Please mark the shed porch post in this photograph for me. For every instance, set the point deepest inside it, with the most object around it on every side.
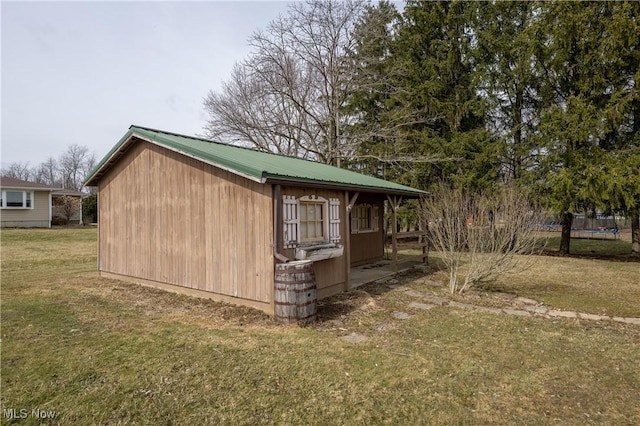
(347, 240)
(394, 202)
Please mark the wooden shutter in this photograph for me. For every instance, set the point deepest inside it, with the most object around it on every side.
(334, 220)
(291, 221)
(375, 218)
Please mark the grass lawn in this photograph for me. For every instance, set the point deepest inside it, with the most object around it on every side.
(99, 351)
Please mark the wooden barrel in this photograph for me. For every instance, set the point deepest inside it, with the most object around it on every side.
(295, 293)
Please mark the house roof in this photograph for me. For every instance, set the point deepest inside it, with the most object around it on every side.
(9, 182)
(255, 165)
(69, 192)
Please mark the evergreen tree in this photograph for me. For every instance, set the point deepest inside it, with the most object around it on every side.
(434, 81)
(585, 104)
(507, 76)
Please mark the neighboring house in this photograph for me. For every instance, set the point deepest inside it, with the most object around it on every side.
(211, 220)
(25, 204)
(67, 207)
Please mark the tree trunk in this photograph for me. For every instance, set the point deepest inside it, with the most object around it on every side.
(565, 238)
(635, 233)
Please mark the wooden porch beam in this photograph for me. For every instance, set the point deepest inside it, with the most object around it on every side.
(347, 239)
(394, 202)
(352, 202)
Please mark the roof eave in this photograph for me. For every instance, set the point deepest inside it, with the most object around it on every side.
(116, 152)
(273, 179)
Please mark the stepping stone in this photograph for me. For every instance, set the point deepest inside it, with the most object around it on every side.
(516, 312)
(355, 338)
(400, 315)
(635, 321)
(526, 301)
(591, 317)
(536, 309)
(563, 314)
(422, 306)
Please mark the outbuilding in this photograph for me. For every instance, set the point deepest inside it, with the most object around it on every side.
(212, 220)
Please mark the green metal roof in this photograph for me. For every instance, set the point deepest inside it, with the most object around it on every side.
(255, 165)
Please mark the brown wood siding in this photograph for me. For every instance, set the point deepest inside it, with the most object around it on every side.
(38, 216)
(331, 273)
(368, 247)
(167, 218)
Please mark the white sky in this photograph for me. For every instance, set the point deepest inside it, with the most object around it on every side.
(82, 72)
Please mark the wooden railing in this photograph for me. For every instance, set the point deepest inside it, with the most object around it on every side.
(395, 236)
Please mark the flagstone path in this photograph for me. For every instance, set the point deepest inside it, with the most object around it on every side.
(425, 301)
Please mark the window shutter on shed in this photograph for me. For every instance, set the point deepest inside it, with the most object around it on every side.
(291, 221)
(334, 220)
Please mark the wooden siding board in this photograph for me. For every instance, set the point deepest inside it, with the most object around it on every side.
(171, 219)
(368, 247)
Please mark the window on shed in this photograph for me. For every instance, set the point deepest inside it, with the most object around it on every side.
(364, 218)
(312, 219)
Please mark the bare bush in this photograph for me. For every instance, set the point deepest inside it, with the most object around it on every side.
(481, 235)
(68, 207)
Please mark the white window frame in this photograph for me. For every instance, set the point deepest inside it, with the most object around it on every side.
(306, 202)
(26, 196)
(292, 223)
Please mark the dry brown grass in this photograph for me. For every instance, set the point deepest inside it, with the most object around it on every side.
(98, 351)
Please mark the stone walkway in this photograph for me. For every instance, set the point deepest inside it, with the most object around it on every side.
(426, 301)
(531, 308)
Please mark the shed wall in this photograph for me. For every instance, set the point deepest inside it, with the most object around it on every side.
(37, 217)
(368, 247)
(170, 219)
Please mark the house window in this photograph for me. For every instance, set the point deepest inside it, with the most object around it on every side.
(312, 220)
(16, 200)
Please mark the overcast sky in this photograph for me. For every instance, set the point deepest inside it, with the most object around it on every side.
(82, 72)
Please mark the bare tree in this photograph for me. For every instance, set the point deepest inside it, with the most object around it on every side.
(74, 165)
(18, 170)
(287, 96)
(483, 235)
(48, 173)
(68, 206)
